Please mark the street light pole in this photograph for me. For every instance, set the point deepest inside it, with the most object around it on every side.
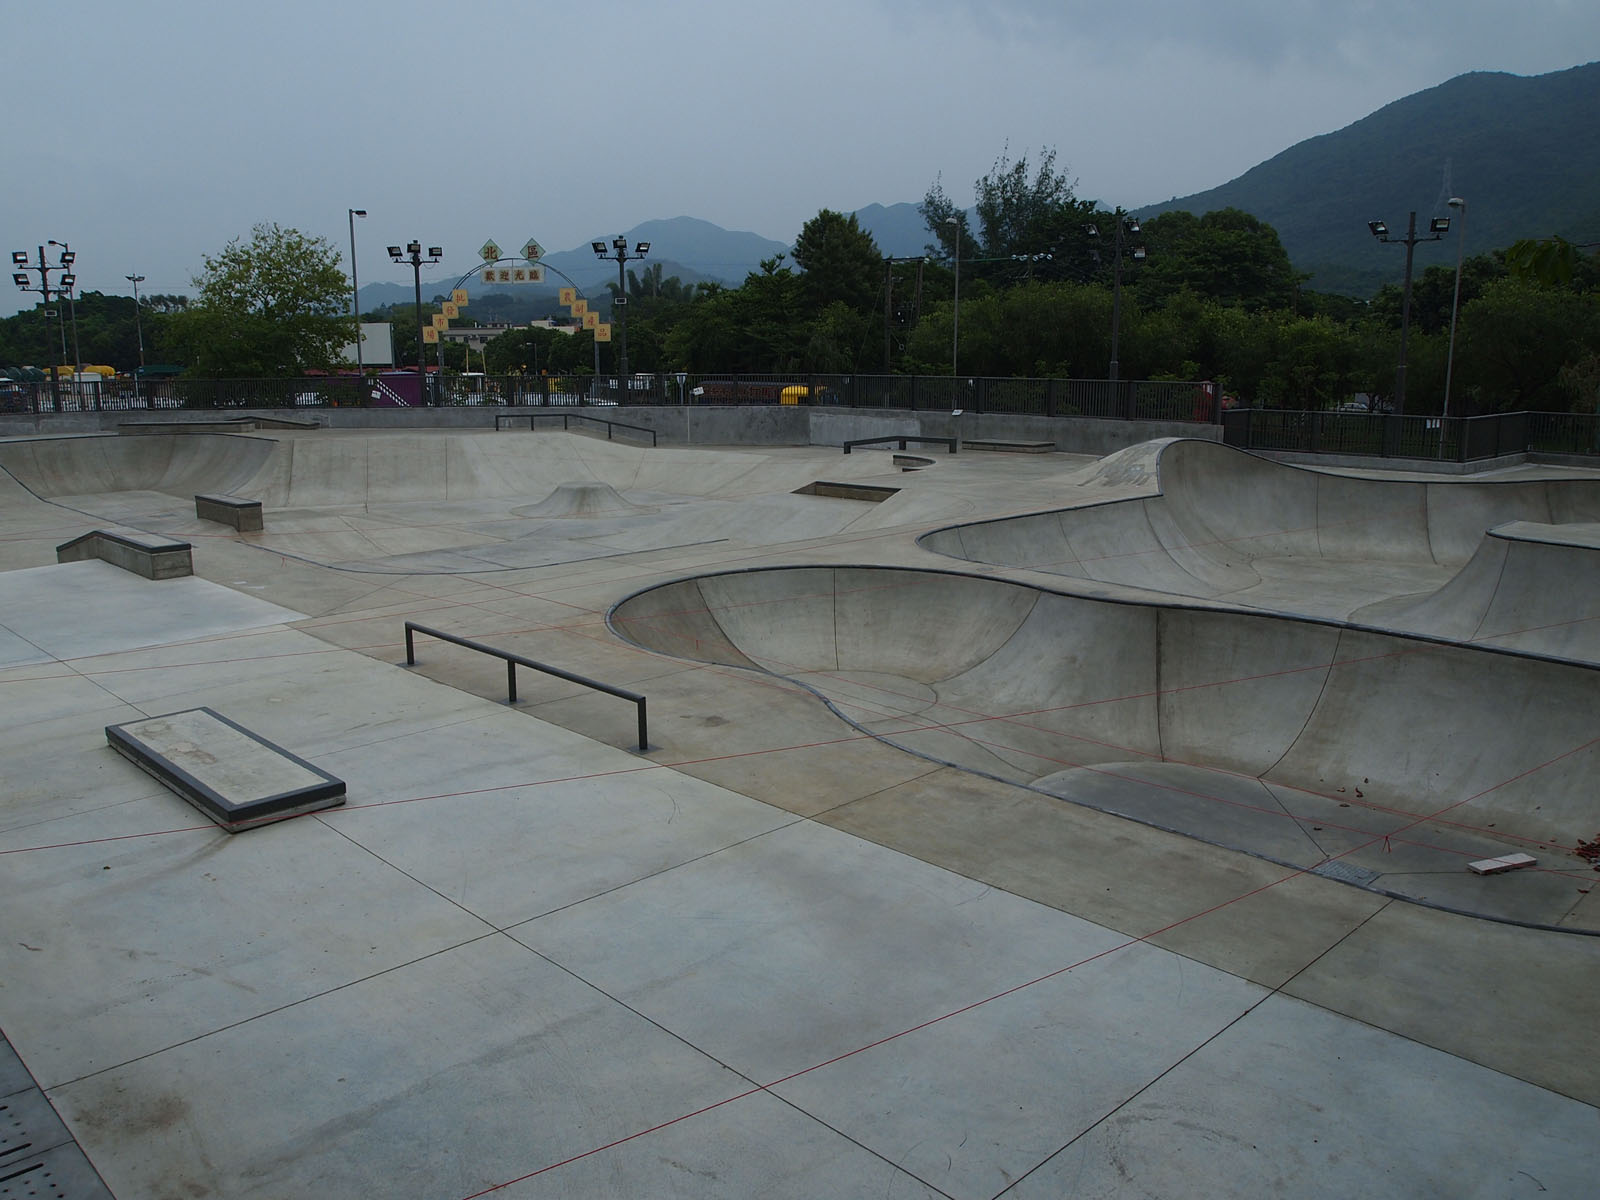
(355, 288)
(1437, 228)
(413, 254)
(138, 327)
(1455, 308)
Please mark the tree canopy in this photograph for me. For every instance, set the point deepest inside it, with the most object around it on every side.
(277, 304)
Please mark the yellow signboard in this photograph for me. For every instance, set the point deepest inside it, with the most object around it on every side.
(580, 307)
(459, 296)
(567, 296)
(591, 320)
(440, 321)
(450, 309)
(430, 334)
(602, 332)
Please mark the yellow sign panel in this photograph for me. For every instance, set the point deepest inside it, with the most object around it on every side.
(567, 296)
(591, 320)
(580, 307)
(459, 296)
(450, 309)
(430, 334)
(602, 332)
(440, 321)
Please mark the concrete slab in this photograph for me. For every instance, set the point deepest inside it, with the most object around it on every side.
(1428, 1125)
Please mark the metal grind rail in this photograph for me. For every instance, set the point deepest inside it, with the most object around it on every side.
(566, 418)
(513, 661)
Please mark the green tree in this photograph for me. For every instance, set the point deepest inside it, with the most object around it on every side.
(842, 263)
(1226, 256)
(1023, 216)
(275, 305)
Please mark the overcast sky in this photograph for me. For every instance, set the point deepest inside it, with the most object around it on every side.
(149, 134)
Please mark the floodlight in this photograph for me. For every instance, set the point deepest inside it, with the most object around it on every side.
(1439, 225)
(435, 252)
(20, 279)
(1131, 225)
(413, 247)
(68, 282)
(599, 249)
(1457, 202)
(19, 258)
(360, 212)
(68, 257)
(394, 252)
(619, 242)
(1138, 253)
(642, 248)
(1379, 229)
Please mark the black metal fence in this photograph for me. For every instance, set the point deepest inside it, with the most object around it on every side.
(1379, 435)
(1382, 435)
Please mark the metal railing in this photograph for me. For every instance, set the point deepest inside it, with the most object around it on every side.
(513, 661)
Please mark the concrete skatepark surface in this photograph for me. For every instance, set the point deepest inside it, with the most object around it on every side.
(781, 954)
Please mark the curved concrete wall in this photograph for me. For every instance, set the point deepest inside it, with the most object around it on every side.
(1026, 684)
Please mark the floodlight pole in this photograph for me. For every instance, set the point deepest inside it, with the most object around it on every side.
(1437, 228)
(19, 258)
(619, 252)
(413, 255)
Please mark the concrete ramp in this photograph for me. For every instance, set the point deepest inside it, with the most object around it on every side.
(1380, 760)
(1226, 525)
(179, 465)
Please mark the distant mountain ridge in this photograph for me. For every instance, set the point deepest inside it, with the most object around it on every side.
(1523, 151)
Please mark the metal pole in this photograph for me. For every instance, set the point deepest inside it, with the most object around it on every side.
(355, 289)
(1116, 294)
(138, 325)
(622, 322)
(1405, 320)
(1455, 308)
(416, 273)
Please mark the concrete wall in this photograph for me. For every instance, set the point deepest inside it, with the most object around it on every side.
(699, 425)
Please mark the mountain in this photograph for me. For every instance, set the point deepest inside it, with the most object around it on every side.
(1523, 151)
(898, 229)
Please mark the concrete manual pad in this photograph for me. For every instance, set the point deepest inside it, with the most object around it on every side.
(237, 778)
(75, 610)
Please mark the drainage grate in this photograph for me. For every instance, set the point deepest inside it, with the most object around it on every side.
(1345, 873)
(38, 1158)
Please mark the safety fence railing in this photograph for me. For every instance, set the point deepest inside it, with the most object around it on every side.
(513, 661)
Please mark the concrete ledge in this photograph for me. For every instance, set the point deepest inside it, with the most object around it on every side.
(244, 515)
(233, 776)
(143, 554)
(1012, 447)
